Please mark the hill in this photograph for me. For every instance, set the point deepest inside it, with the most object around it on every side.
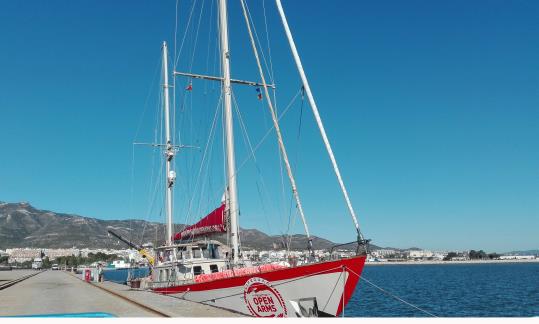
(22, 225)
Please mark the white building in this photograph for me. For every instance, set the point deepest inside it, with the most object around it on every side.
(517, 257)
(22, 254)
(381, 253)
(420, 254)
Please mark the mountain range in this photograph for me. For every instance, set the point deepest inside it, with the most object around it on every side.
(22, 225)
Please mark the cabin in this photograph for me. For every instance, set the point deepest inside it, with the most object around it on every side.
(180, 263)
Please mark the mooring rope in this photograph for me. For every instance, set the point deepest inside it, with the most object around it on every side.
(391, 294)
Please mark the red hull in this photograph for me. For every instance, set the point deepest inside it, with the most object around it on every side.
(352, 266)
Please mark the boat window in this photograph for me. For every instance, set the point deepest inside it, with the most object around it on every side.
(182, 254)
(184, 269)
(196, 253)
(163, 275)
(197, 270)
(214, 252)
(213, 268)
(206, 253)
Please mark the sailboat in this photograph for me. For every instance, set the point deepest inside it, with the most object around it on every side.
(195, 268)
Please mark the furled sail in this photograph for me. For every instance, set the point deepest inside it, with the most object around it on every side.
(214, 222)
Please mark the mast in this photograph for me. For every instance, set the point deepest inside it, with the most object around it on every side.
(229, 132)
(317, 117)
(169, 149)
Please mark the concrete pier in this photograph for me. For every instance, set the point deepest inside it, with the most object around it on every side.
(6, 276)
(59, 292)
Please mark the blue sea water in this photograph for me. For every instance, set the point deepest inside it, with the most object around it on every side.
(448, 290)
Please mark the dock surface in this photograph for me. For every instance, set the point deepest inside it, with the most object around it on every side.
(59, 292)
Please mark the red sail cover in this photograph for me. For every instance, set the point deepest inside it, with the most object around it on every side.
(213, 223)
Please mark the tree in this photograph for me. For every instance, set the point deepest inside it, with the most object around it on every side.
(473, 254)
(494, 256)
(481, 255)
(450, 256)
(46, 263)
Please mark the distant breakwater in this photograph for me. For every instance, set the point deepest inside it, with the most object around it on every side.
(451, 262)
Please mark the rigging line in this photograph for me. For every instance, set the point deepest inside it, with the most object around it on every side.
(277, 128)
(174, 69)
(153, 194)
(132, 191)
(333, 290)
(268, 42)
(204, 183)
(156, 71)
(155, 133)
(209, 202)
(398, 298)
(268, 132)
(185, 33)
(278, 132)
(176, 32)
(244, 128)
(154, 181)
(283, 192)
(216, 61)
(296, 162)
(174, 92)
(210, 135)
(155, 74)
(391, 294)
(252, 23)
(272, 78)
(247, 139)
(264, 209)
(196, 36)
(257, 146)
(209, 45)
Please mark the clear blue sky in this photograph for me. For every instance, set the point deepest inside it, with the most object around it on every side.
(432, 108)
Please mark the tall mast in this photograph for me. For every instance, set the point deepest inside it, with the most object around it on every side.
(229, 132)
(169, 150)
(317, 117)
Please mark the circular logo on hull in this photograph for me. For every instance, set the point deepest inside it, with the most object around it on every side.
(262, 299)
